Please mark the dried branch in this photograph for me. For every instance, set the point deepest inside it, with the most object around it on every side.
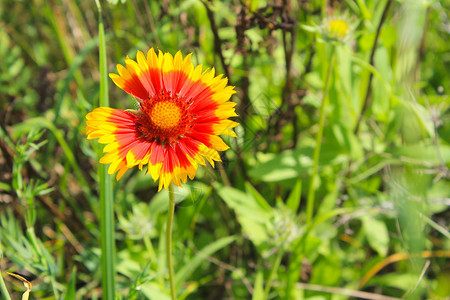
(368, 98)
(217, 40)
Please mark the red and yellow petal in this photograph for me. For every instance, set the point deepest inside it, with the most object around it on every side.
(115, 128)
(129, 82)
(155, 77)
(225, 127)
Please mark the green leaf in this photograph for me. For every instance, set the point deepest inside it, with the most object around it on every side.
(426, 153)
(115, 2)
(200, 257)
(327, 271)
(5, 187)
(343, 140)
(251, 215)
(388, 35)
(364, 11)
(293, 202)
(154, 292)
(245, 205)
(382, 92)
(400, 281)
(292, 164)
(258, 197)
(376, 233)
(70, 292)
(258, 289)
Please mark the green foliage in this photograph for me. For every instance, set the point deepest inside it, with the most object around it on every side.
(379, 221)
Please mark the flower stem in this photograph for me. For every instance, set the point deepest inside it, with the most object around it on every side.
(311, 191)
(274, 269)
(169, 226)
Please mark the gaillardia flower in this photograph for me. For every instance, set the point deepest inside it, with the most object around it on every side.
(182, 110)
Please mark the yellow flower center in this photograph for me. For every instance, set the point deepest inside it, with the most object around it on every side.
(165, 114)
(338, 28)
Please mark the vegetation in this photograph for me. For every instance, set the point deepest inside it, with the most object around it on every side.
(336, 185)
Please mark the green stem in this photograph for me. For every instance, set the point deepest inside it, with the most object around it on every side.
(323, 11)
(151, 251)
(3, 290)
(107, 234)
(293, 272)
(323, 107)
(170, 214)
(274, 269)
(106, 188)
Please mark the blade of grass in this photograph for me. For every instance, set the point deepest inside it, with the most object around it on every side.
(106, 189)
(45, 258)
(437, 227)
(70, 292)
(3, 290)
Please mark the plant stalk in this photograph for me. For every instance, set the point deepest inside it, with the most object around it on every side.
(3, 290)
(274, 269)
(106, 188)
(323, 108)
(169, 226)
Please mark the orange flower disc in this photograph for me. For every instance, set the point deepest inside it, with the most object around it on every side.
(182, 110)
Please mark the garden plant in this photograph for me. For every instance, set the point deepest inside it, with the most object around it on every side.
(236, 149)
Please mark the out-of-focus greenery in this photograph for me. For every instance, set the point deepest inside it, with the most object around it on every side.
(380, 202)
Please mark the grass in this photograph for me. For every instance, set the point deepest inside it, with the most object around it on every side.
(336, 186)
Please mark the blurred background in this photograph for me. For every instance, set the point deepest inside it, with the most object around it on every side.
(363, 83)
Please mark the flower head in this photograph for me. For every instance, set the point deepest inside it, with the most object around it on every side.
(337, 28)
(182, 110)
(334, 28)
